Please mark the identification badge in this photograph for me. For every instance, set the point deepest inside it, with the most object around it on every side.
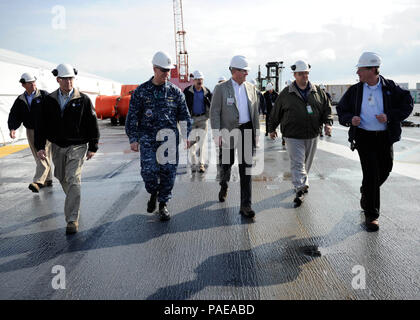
(230, 101)
(309, 109)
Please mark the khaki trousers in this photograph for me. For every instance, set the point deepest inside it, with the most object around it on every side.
(68, 164)
(301, 153)
(43, 167)
(200, 147)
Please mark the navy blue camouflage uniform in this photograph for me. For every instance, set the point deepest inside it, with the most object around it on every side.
(153, 108)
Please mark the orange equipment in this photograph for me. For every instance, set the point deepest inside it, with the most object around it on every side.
(115, 107)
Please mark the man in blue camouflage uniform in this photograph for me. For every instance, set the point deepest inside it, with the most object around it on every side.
(156, 107)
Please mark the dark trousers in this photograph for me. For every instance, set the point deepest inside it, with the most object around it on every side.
(245, 161)
(376, 158)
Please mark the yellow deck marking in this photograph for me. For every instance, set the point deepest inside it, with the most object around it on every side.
(4, 151)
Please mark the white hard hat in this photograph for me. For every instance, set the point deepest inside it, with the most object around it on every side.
(288, 82)
(64, 71)
(27, 77)
(221, 79)
(269, 86)
(252, 81)
(322, 86)
(300, 66)
(163, 60)
(198, 75)
(239, 62)
(369, 59)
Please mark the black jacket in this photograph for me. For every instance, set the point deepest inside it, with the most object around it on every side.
(77, 125)
(189, 98)
(270, 99)
(398, 104)
(20, 111)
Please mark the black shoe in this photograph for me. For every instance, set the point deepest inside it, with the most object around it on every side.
(163, 212)
(298, 199)
(306, 189)
(223, 193)
(372, 224)
(247, 212)
(151, 204)
(48, 183)
(34, 187)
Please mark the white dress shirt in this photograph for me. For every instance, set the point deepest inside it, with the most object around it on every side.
(242, 102)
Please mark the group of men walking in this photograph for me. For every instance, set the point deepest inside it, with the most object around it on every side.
(66, 127)
(62, 128)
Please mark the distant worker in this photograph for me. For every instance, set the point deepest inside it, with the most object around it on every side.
(270, 97)
(25, 110)
(300, 109)
(221, 79)
(321, 128)
(234, 116)
(373, 109)
(156, 107)
(198, 99)
(69, 121)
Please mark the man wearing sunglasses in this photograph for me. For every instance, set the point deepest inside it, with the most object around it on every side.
(234, 120)
(156, 108)
(300, 109)
(373, 109)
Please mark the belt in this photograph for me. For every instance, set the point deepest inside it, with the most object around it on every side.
(241, 125)
(372, 133)
(198, 115)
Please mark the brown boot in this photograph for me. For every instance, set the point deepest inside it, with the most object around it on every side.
(72, 227)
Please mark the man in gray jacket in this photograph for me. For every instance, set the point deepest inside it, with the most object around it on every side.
(300, 108)
(235, 120)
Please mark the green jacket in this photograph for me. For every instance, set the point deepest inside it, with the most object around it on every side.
(291, 112)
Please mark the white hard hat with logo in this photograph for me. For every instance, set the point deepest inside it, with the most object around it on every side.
(221, 79)
(269, 86)
(300, 66)
(64, 71)
(27, 77)
(163, 60)
(369, 59)
(198, 75)
(239, 62)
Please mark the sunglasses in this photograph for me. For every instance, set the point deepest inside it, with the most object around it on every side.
(163, 70)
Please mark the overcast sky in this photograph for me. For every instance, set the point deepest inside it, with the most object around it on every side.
(117, 39)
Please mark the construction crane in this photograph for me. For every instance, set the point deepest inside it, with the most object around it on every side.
(181, 51)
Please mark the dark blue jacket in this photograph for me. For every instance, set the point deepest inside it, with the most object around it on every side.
(398, 104)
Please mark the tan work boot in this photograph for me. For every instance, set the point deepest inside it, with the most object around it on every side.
(72, 227)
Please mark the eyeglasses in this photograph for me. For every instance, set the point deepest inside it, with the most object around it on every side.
(163, 70)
